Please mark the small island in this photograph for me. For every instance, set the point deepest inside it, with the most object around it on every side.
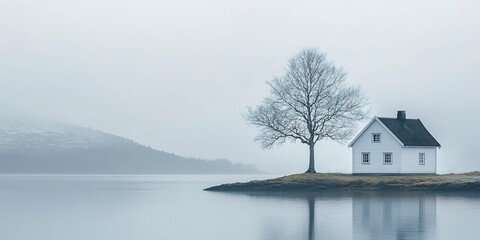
(317, 182)
(312, 102)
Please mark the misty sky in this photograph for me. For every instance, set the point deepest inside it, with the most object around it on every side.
(178, 75)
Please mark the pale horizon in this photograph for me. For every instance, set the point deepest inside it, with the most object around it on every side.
(178, 76)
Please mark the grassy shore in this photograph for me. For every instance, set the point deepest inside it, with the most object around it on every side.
(348, 182)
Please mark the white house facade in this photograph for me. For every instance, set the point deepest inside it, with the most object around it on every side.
(394, 146)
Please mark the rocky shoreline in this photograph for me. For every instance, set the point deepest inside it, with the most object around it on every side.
(317, 182)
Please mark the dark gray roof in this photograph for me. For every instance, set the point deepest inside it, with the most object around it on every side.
(410, 132)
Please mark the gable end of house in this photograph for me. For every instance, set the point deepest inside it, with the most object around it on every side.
(408, 132)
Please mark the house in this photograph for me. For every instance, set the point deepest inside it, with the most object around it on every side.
(394, 145)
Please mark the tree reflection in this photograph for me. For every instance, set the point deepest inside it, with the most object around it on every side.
(311, 217)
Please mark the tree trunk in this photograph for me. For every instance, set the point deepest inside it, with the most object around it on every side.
(311, 166)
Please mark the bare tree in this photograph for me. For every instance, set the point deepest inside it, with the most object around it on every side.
(309, 103)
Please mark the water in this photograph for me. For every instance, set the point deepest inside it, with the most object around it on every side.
(175, 207)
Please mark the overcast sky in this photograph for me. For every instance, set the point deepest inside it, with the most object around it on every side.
(178, 75)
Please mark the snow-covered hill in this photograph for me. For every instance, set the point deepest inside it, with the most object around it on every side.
(44, 147)
(28, 135)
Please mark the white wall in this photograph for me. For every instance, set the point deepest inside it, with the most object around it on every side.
(410, 160)
(364, 144)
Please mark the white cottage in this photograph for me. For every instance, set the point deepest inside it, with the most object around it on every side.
(394, 145)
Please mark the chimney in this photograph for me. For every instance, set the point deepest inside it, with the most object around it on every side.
(401, 115)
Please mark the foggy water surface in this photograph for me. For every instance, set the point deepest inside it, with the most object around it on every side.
(175, 207)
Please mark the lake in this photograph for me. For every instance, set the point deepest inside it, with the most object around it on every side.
(175, 207)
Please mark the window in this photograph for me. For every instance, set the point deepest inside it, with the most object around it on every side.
(365, 158)
(421, 158)
(387, 158)
(376, 137)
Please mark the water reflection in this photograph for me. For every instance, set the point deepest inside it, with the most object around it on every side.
(367, 215)
(394, 215)
(311, 217)
(157, 207)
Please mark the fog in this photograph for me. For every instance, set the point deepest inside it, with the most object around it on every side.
(178, 75)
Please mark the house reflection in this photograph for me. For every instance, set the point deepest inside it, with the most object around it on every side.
(349, 215)
(394, 215)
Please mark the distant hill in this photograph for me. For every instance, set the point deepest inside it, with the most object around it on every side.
(47, 148)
